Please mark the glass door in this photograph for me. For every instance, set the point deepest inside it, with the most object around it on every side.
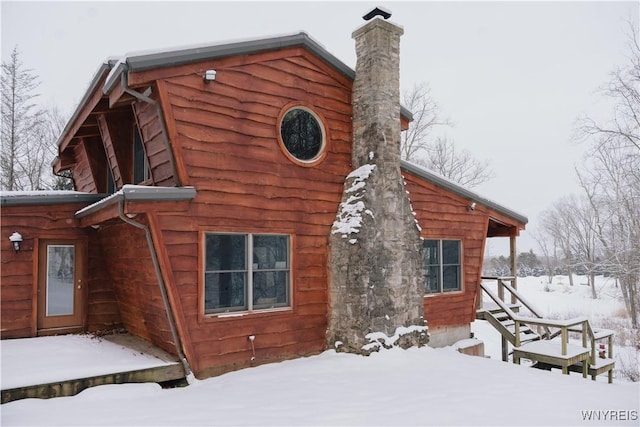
(60, 285)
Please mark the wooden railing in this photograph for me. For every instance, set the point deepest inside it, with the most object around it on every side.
(516, 297)
(590, 337)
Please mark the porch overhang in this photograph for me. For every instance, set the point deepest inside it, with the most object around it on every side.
(136, 199)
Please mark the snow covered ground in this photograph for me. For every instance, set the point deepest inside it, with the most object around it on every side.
(394, 387)
(67, 357)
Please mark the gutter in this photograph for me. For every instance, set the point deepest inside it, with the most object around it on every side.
(163, 290)
(139, 193)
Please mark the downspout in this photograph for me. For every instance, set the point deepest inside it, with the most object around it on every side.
(163, 289)
(163, 125)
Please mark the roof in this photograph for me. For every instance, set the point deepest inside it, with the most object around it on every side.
(138, 193)
(30, 198)
(146, 60)
(455, 188)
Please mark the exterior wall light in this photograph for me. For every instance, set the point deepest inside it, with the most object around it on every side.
(16, 241)
(472, 207)
(209, 76)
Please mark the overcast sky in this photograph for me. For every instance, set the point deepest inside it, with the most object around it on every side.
(512, 76)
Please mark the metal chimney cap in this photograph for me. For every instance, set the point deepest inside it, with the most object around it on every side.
(378, 11)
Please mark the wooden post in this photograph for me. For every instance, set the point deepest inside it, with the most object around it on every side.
(505, 350)
(514, 272)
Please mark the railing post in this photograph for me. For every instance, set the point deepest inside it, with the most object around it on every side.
(514, 272)
(500, 290)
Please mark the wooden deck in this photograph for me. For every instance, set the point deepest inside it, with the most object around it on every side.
(546, 341)
(168, 372)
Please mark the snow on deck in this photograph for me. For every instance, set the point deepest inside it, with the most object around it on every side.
(42, 360)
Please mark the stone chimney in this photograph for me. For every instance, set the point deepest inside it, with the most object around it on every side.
(376, 281)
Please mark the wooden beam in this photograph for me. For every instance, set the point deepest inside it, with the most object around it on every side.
(172, 138)
(513, 266)
(82, 117)
(116, 130)
(103, 215)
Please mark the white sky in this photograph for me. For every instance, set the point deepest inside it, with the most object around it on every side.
(513, 76)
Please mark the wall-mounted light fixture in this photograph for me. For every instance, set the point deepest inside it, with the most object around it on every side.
(16, 241)
(209, 76)
(472, 206)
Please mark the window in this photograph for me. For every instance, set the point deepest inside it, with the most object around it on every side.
(141, 171)
(302, 134)
(442, 266)
(111, 183)
(246, 272)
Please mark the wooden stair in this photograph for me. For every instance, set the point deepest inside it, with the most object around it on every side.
(546, 341)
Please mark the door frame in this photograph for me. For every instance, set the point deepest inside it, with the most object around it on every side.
(48, 325)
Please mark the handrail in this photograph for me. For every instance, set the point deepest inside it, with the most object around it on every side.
(498, 301)
(522, 299)
(589, 335)
(514, 292)
(562, 324)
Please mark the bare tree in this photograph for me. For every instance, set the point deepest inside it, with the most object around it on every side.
(51, 129)
(583, 239)
(19, 118)
(556, 226)
(623, 127)
(548, 250)
(611, 177)
(29, 133)
(426, 118)
(421, 146)
(457, 165)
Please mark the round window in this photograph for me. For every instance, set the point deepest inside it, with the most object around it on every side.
(302, 134)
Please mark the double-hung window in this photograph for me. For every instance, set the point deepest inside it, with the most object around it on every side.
(246, 272)
(442, 266)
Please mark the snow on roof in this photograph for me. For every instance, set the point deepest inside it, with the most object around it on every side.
(154, 58)
(139, 193)
(456, 188)
(46, 197)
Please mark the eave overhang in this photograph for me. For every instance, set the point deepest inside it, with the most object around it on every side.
(40, 198)
(451, 186)
(136, 62)
(139, 193)
(109, 74)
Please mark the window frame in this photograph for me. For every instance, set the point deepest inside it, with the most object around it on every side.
(440, 265)
(146, 170)
(250, 269)
(324, 130)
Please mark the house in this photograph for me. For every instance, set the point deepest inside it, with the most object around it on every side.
(207, 181)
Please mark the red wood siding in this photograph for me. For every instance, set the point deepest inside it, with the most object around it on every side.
(154, 144)
(443, 215)
(97, 162)
(19, 270)
(83, 179)
(226, 134)
(137, 292)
